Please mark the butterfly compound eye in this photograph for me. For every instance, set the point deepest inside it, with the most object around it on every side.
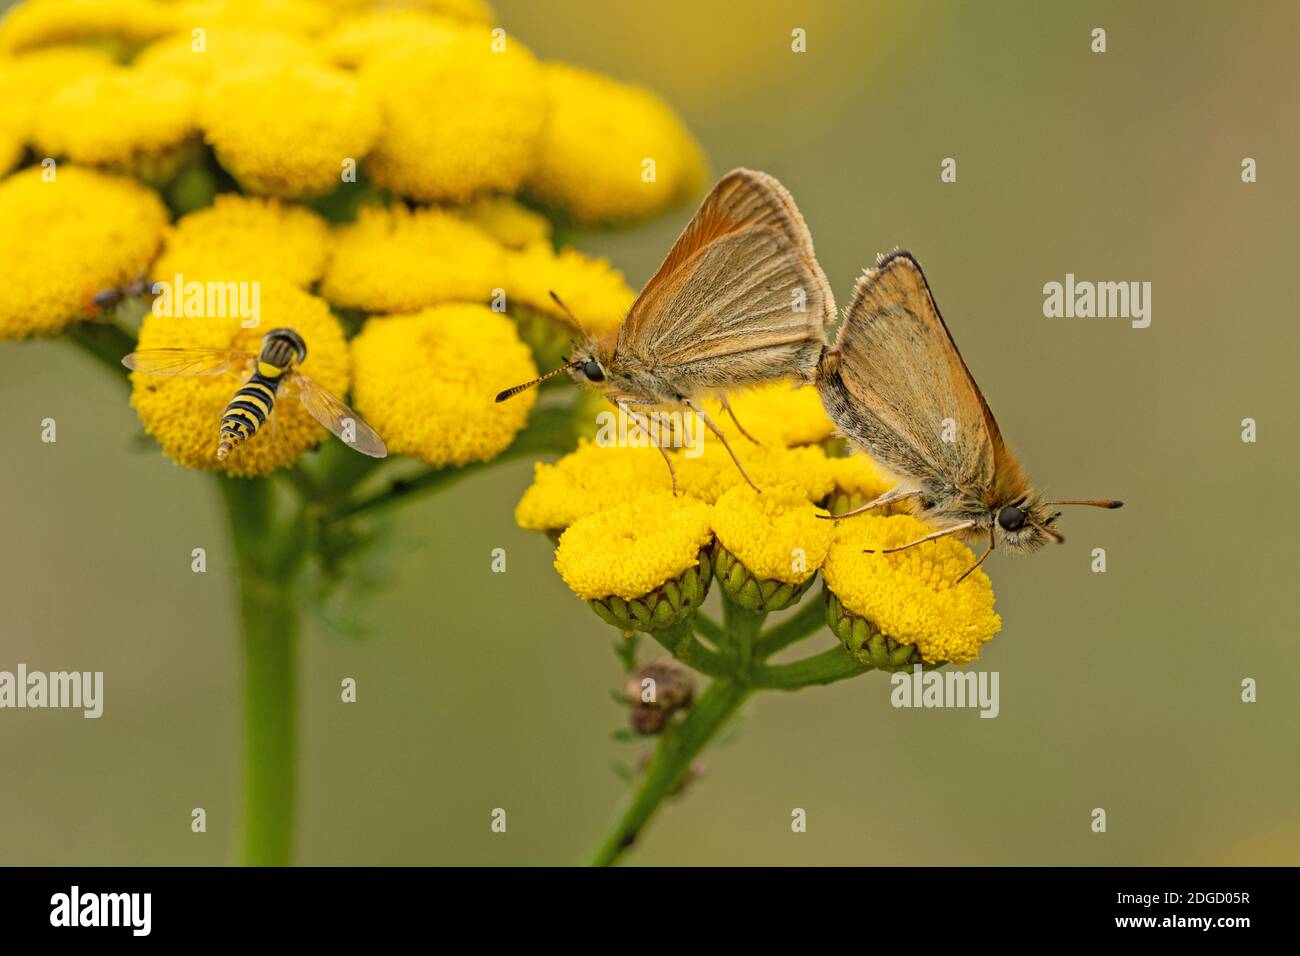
(1011, 518)
(591, 368)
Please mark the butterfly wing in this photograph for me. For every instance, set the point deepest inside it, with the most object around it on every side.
(900, 387)
(334, 415)
(189, 361)
(740, 296)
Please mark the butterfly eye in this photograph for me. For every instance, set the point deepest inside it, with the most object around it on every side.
(1011, 518)
(591, 368)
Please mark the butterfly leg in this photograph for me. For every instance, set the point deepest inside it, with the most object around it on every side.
(987, 552)
(722, 438)
(626, 410)
(888, 498)
(941, 533)
(726, 405)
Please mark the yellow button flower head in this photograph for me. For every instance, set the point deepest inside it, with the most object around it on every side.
(911, 597)
(593, 290)
(286, 129)
(712, 473)
(781, 413)
(246, 238)
(643, 563)
(426, 382)
(858, 480)
(770, 545)
(459, 118)
(65, 240)
(357, 40)
(115, 118)
(121, 24)
(27, 81)
(469, 11)
(399, 260)
(219, 51)
(184, 412)
(598, 137)
(594, 478)
(507, 221)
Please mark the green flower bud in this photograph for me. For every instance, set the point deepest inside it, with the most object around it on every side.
(742, 587)
(866, 643)
(666, 606)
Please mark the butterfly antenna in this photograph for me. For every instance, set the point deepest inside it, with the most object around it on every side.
(512, 392)
(565, 309)
(1090, 502)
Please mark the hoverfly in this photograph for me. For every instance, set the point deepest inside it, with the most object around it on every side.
(270, 372)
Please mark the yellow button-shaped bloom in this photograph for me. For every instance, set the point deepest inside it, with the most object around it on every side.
(246, 239)
(358, 39)
(305, 17)
(593, 478)
(125, 24)
(110, 119)
(27, 81)
(593, 290)
(399, 260)
(712, 472)
(780, 413)
(427, 382)
(65, 240)
(629, 550)
(184, 412)
(912, 596)
(289, 129)
(611, 152)
(469, 11)
(218, 51)
(507, 221)
(459, 118)
(776, 535)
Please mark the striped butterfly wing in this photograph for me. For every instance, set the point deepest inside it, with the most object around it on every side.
(334, 414)
(740, 296)
(900, 387)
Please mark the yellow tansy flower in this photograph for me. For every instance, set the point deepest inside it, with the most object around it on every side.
(780, 413)
(399, 260)
(427, 381)
(65, 240)
(470, 11)
(27, 81)
(184, 412)
(858, 480)
(359, 39)
(598, 144)
(712, 473)
(507, 221)
(776, 535)
(459, 118)
(286, 129)
(911, 596)
(593, 290)
(631, 549)
(120, 24)
(12, 145)
(114, 118)
(220, 51)
(593, 478)
(246, 238)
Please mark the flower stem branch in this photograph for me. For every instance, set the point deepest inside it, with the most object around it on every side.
(681, 643)
(678, 746)
(833, 664)
(269, 619)
(810, 617)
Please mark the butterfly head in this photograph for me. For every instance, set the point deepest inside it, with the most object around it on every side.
(1025, 524)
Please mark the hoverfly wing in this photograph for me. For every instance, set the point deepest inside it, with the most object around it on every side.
(740, 290)
(189, 361)
(346, 424)
(901, 388)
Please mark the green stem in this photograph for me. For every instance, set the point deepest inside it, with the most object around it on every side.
(105, 342)
(678, 746)
(831, 665)
(742, 626)
(810, 617)
(269, 618)
(681, 643)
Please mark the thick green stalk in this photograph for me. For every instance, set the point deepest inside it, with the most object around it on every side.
(678, 746)
(269, 619)
(834, 664)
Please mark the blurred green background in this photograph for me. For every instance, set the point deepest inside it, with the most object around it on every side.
(478, 690)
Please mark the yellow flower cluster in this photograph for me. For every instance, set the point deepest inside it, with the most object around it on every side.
(628, 536)
(423, 383)
(184, 412)
(65, 239)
